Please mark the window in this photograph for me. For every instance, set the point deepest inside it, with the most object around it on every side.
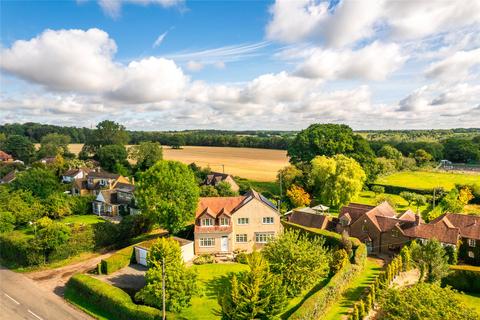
(364, 227)
(242, 220)
(263, 237)
(207, 242)
(242, 238)
(471, 242)
(207, 222)
(471, 254)
(267, 220)
(224, 221)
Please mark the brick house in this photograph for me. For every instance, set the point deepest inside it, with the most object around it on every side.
(74, 174)
(112, 202)
(214, 178)
(226, 224)
(311, 218)
(95, 181)
(380, 227)
(5, 157)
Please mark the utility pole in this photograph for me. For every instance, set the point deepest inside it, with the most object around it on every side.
(280, 200)
(434, 189)
(223, 168)
(163, 289)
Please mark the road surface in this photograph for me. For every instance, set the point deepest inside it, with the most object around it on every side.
(22, 298)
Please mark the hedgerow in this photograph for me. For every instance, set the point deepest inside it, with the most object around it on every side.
(463, 279)
(118, 260)
(109, 298)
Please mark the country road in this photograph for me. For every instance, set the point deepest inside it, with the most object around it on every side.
(22, 298)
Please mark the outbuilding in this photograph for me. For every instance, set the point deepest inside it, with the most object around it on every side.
(142, 249)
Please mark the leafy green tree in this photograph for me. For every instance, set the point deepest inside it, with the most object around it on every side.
(180, 281)
(424, 301)
(40, 182)
(451, 202)
(51, 235)
(53, 144)
(406, 258)
(107, 133)
(461, 150)
(339, 260)
(111, 155)
(177, 141)
(298, 197)
(408, 196)
(385, 198)
(253, 294)
(389, 152)
(422, 157)
(168, 193)
(22, 204)
(378, 190)
(146, 154)
(225, 189)
(419, 201)
(321, 140)
(58, 205)
(289, 175)
(336, 180)
(20, 148)
(364, 155)
(290, 256)
(7, 221)
(385, 166)
(208, 191)
(432, 259)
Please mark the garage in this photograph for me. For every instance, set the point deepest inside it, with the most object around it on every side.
(142, 248)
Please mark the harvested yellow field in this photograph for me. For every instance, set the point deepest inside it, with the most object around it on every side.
(250, 163)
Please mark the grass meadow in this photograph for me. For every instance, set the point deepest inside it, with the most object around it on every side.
(428, 179)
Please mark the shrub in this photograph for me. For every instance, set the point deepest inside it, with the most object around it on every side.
(241, 257)
(109, 298)
(463, 280)
(16, 250)
(204, 259)
(118, 260)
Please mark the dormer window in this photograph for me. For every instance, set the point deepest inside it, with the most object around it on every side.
(207, 222)
(471, 243)
(224, 221)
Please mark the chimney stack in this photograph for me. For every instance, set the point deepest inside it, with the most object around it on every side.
(417, 219)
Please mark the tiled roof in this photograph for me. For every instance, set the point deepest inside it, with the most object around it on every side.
(216, 204)
(382, 210)
(213, 229)
(125, 187)
(312, 220)
(5, 156)
(149, 243)
(355, 210)
(469, 225)
(215, 177)
(440, 229)
(9, 177)
(103, 174)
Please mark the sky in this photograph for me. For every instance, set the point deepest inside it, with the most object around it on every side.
(236, 65)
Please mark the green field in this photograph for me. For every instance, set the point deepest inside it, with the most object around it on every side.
(341, 308)
(471, 299)
(428, 179)
(368, 197)
(210, 278)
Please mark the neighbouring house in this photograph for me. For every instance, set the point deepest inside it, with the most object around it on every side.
(95, 181)
(142, 249)
(47, 160)
(75, 174)
(380, 227)
(9, 177)
(114, 202)
(227, 224)
(312, 218)
(5, 157)
(454, 229)
(214, 178)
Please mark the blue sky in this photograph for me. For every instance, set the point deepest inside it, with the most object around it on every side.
(174, 64)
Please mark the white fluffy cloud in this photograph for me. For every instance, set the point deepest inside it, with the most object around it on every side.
(351, 21)
(113, 7)
(82, 62)
(64, 60)
(456, 67)
(374, 62)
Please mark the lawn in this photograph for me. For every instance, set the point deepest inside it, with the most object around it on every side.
(83, 219)
(368, 197)
(210, 278)
(428, 179)
(471, 299)
(341, 308)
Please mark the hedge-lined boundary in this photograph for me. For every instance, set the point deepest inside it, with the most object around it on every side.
(112, 300)
(117, 261)
(463, 278)
(318, 304)
(398, 189)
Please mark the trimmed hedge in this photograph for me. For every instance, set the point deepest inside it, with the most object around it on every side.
(117, 261)
(16, 250)
(397, 189)
(109, 298)
(318, 304)
(463, 279)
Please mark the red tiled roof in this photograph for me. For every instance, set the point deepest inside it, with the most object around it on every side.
(440, 229)
(213, 229)
(469, 225)
(311, 220)
(5, 156)
(382, 210)
(216, 205)
(355, 210)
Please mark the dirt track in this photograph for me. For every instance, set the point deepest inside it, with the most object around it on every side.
(54, 280)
